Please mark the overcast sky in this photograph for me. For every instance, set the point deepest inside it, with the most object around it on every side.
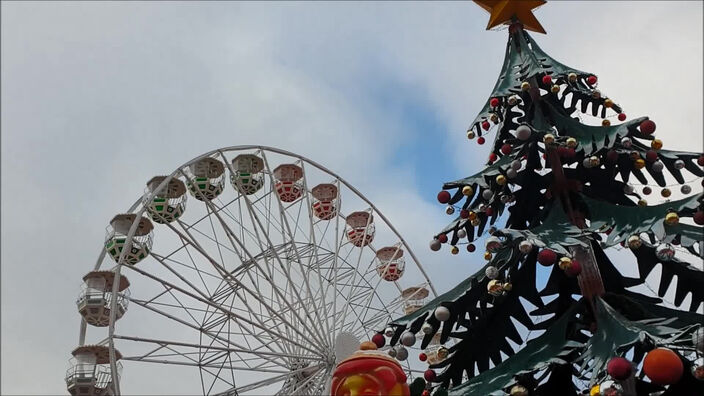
(98, 97)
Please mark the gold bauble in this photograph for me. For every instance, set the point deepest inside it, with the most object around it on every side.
(549, 138)
(572, 77)
(525, 85)
(656, 144)
(494, 118)
(467, 191)
(672, 218)
(494, 287)
(555, 88)
(508, 286)
(594, 161)
(501, 180)
(565, 263)
(608, 103)
(443, 353)
(454, 250)
(571, 142)
(472, 216)
(642, 202)
(519, 390)
(665, 192)
(640, 163)
(470, 135)
(595, 391)
(605, 122)
(487, 255)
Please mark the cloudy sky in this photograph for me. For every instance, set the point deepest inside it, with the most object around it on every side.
(97, 97)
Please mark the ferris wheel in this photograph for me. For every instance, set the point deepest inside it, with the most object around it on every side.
(258, 284)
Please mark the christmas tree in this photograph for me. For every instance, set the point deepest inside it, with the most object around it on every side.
(565, 180)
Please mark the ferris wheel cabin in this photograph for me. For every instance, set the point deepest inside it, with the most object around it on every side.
(89, 371)
(360, 228)
(169, 203)
(287, 182)
(247, 177)
(390, 263)
(94, 302)
(116, 238)
(325, 201)
(207, 179)
(413, 299)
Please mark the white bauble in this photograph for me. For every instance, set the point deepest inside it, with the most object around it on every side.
(461, 233)
(679, 164)
(586, 163)
(427, 328)
(523, 132)
(408, 339)
(665, 252)
(491, 272)
(435, 245)
(442, 313)
(401, 353)
(389, 332)
(487, 194)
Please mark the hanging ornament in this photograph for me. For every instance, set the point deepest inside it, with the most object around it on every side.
(504, 199)
(656, 144)
(501, 180)
(429, 375)
(475, 222)
(491, 230)
(639, 163)
(591, 80)
(472, 215)
(443, 197)
(493, 244)
(698, 339)
(435, 245)
(516, 165)
(700, 160)
(564, 263)
(486, 125)
(622, 117)
(495, 287)
(549, 138)
(487, 256)
(555, 89)
(574, 269)
(657, 166)
(523, 132)
(605, 122)
(422, 357)
(494, 102)
(481, 140)
(489, 211)
(663, 366)
(595, 391)
(467, 191)
(619, 368)
(634, 242)
(525, 247)
(634, 155)
(665, 192)
(427, 328)
(408, 339)
(518, 390)
(628, 189)
(647, 127)
(572, 77)
(547, 257)
(464, 213)
(651, 156)
(470, 135)
(401, 353)
(454, 249)
(461, 233)
(571, 142)
(512, 100)
(471, 248)
(487, 194)
(685, 189)
(443, 353)
(647, 190)
(672, 218)
(494, 117)
(612, 156)
(442, 313)
(491, 272)
(679, 164)
(665, 252)
(511, 173)
(608, 103)
(389, 332)
(506, 149)
(596, 94)
(594, 161)
(547, 80)
(698, 372)
(642, 202)
(378, 340)
(610, 388)
(626, 142)
(449, 210)
(442, 238)
(392, 352)
(699, 217)
(586, 163)
(525, 86)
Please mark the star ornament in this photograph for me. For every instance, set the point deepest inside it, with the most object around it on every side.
(504, 11)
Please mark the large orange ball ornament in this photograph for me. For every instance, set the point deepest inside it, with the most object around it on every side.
(663, 366)
(369, 373)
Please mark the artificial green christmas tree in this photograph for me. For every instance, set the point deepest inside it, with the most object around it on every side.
(565, 191)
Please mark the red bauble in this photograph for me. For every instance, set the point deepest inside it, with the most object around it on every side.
(471, 247)
(422, 357)
(481, 140)
(699, 217)
(591, 80)
(612, 156)
(494, 102)
(547, 80)
(429, 375)
(443, 197)
(506, 149)
(647, 127)
(547, 257)
(492, 157)
(574, 269)
(700, 160)
(486, 125)
(379, 340)
(464, 213)
(425, 393)
(622, 117)
(651, 156)
(647, 190)
(442, 238)
(489, 211)
(619, 368)
(663, 366)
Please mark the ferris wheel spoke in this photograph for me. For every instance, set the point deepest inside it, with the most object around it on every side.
(269, 381)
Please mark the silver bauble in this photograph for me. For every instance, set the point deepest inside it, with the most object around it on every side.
(586, 163)
(487, 194)
(679, 164)
(401, 353)
(626, 142)
(525, 247)
(686, 189)
(408, 338)
(628, 189)
(491, 272)
(442, 313)
(665, 252)
(427, 328)
(657, 166)
(435, 245)
(512, 100)
(523, 132)
(511, 173)
(461, 233)
(516, 165)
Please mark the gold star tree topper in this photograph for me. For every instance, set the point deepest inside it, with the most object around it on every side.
(505, 11)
